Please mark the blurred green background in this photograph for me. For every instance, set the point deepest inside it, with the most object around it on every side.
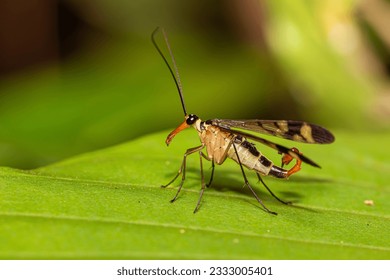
(77, 76)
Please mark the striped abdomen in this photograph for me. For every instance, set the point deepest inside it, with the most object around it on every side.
(251, 158)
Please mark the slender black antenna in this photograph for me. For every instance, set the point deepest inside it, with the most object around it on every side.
(176, 77)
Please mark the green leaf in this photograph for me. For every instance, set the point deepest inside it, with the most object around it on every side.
(108, 204)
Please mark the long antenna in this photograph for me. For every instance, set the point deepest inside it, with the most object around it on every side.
(176, 77)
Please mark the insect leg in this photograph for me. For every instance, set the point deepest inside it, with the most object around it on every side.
(212, 173)
(202, 182)
(182, 170)
(248, 185)
(269, 190)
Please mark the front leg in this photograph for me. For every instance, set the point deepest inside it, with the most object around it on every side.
(182, 169)
(202, 181)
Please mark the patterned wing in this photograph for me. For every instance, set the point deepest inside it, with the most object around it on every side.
(293, 130)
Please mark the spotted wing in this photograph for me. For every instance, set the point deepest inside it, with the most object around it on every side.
(293, 130)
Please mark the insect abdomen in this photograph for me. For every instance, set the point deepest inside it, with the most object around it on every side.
(278, 172)
(251, 158)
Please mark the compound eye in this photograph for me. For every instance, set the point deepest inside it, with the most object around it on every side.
(191, 119)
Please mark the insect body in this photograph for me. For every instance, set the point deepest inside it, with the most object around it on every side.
(221, 140)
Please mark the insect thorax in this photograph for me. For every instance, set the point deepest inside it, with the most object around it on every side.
(216, 141)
